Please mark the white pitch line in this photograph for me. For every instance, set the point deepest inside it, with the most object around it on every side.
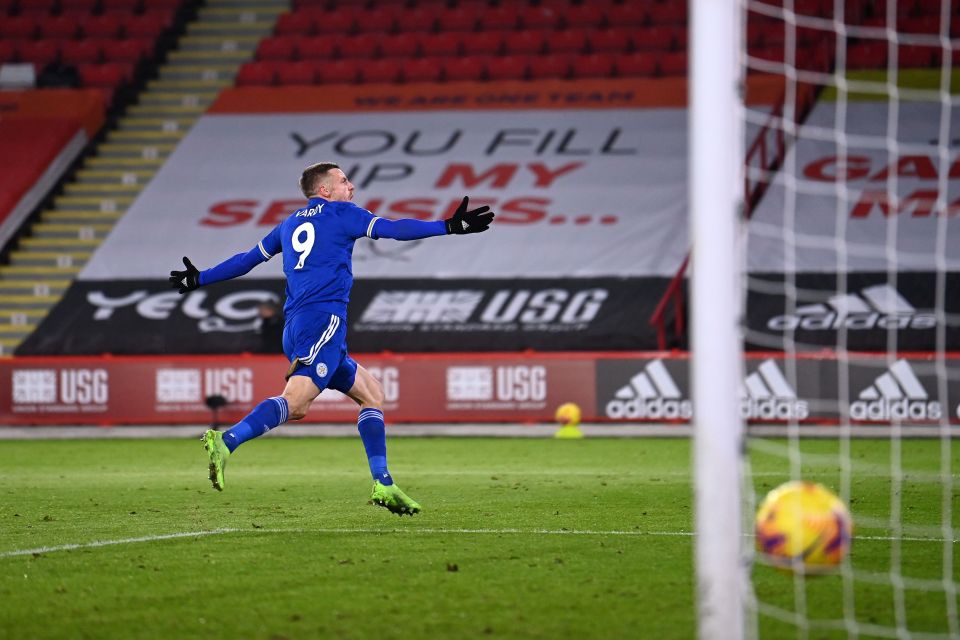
(107, 543)
(547, 532)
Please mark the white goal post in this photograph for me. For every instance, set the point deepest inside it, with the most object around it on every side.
(716, 199)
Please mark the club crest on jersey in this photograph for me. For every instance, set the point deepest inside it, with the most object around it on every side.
(322, 370)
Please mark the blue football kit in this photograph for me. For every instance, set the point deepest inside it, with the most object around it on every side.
(316, 243)
(317, 247)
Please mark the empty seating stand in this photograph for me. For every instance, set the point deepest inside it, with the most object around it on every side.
(106, 44)
(362, 41)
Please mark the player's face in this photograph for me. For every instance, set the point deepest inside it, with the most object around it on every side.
(341, 189)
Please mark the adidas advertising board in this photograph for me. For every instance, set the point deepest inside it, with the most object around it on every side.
(896, 394)
(871, 306)
(767, 395)
(649, 390)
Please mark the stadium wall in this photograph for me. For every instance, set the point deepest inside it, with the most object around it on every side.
(611, 387)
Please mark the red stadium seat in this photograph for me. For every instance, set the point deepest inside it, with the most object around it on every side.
(7, 51)
(12, 27)
(41, 52)
(636, 64)
(37, 7)
(673, 63)
(869, 55)
(917, 56)
(107, 25)
(383, 70)
(293, 24)
(173, 5)
(81, 51)
(583, 15)
(256, 74)
(400, 45)
(379, 20)
(440, 44)
(103, 75)
(679, 38)
(594, 65)
(629, 14)
(501, 17)
(362, 45)
(419, 18)
(462, 18)
(85, 6)
(507, 68)
(483, 43)
(653, 39)
(667, 13)
(614, 40)
(63, 27)
(160, 14)
(567, 41)
(540, 18)
(464, 68)
(340, 21)
(316, 48)
(275, 48)
(922, 24)
(525, 42)
(145, 26)
(772, 54)
(338, 71)
(300, 73)
(550, 66)
(130, 50)
(126, 6)
(423, 69)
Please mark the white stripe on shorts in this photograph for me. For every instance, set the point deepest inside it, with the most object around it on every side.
(324, 339)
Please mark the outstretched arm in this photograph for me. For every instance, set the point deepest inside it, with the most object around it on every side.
(232, 267)
(462, 221)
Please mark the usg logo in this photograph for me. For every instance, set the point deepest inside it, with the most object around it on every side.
(768, 396)
(523, 306)
(877, 307)
(895, 395)
(652, 394)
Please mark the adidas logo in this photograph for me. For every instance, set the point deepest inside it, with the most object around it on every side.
(651, 394)
(878, 307)
(895, 395)
(768, 396)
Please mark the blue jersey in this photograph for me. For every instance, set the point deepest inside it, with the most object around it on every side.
(317, 245)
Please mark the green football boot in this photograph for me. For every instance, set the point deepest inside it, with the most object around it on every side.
(218, 452)
(391, 498)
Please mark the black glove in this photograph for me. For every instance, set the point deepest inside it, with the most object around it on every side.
(474, 221)
(185, 280)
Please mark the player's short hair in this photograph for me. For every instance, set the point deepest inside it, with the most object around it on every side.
(312, 176)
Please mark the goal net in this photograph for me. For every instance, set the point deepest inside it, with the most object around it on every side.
(840, 248)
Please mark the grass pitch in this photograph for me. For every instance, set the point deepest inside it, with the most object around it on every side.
(518, 539)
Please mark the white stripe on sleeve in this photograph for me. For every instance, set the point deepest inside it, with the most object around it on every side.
(370, 226)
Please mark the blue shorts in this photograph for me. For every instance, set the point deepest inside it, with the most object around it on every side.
(316, 346)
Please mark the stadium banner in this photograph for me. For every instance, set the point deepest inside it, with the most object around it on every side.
(610, 387)
(871, 310)
(853, 206)
(130, 317)
(578, 193)
(514, 95)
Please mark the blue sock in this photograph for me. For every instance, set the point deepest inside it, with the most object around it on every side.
(265, 416)
(374, 436)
